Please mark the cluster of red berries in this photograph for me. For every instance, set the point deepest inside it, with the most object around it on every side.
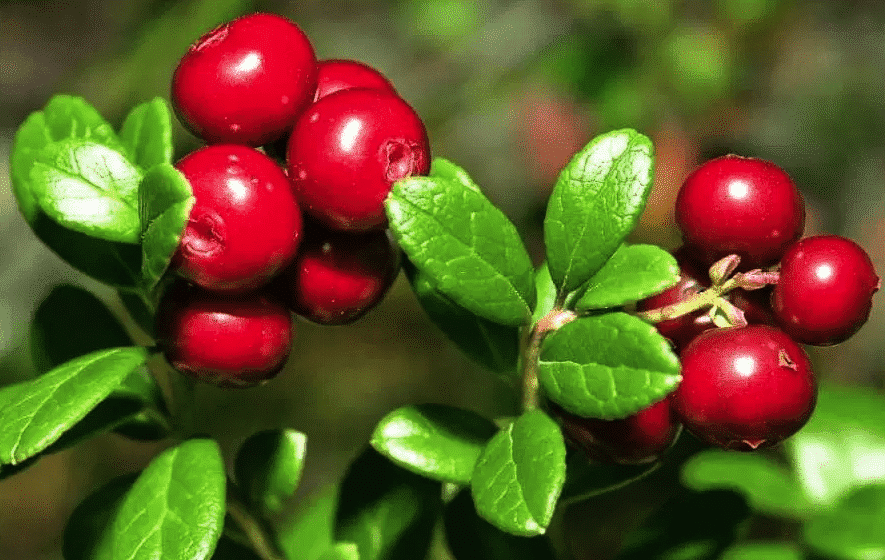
(749, 386)
(265, 239)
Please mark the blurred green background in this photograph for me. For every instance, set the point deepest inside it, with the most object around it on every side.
(509, 90)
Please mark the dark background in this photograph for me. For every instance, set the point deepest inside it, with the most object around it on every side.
(509, 90)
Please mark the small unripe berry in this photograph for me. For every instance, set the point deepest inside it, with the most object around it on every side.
(744, 388)
(346, 151)
(635, 440)
(339, 276)
(246, 81)
(245, 225)
(225, 340)
(744, 206)
(825, 291)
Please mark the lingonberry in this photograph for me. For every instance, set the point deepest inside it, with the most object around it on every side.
(246, 81)
(229, 341)
(744, 206)
(335, 75)
(635, 440)
(825, 290)
(346, 151)
(744, 388)
(338, 276)
(245, 225)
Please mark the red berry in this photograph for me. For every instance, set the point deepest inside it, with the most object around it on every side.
(347, 150)
(637, 439)
(229, 341)
(336, 75)
(692, 280)
(744, 388)
(338, 276)
(825, 290)
(743, 206)
(245, 224)
(246, 81)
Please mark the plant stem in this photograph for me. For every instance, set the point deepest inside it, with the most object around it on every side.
(531, 353)
(254, 529)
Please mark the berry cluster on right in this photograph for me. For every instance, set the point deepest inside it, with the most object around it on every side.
(747, 383)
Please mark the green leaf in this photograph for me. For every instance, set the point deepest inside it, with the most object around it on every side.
(388, 512)
(446, 170)
(691, 525)
(116, 264)
(595, 203)
(147, 133)
(491, 345)
(607, 366)
(472, 538)
(853, 529)
(88, 535)
(767, 487)
(165, 200)
(546, 290)
(311, 532)
(90, 188)
(842, 445)
(342, 551)
(268, 467)
(64, 117)
(763, 551)
(585, 479)
(437, 441)
(34, 414)
(634, 272)
(469, 249)
(520, 475)
(176, 507)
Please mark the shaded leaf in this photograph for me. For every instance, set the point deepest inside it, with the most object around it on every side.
(520, 474)
(607, 366)
(853, 529)
(469, 249)
(437, 441)
(268, 467)
(586, 479)
(88, 534)
(596, 202)
(387, 511)
(165, 199)
(176, 507)
(147, 133)
(634, 272)
(312, 531)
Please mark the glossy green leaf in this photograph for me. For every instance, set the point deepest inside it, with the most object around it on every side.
(607, 366)
(634, 272)
(116, 264)
(147, 133)
(311, 531)
(165, 199)
(88, 534)
(689, 526)
(853, 530)
(34, 414)
(176, 507)
(763, 551)
(342, 551)
(64, 117)
(520, 474)
(90, 188)
(767, 487)
(491, 345)
(434, 440)
(596, 202)
(268, 467)
(842, 445)
(71, 322)
(587, 479)
(469, 249)
(444, 169)
(387, 511)
(472, 538)
(546, 290)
